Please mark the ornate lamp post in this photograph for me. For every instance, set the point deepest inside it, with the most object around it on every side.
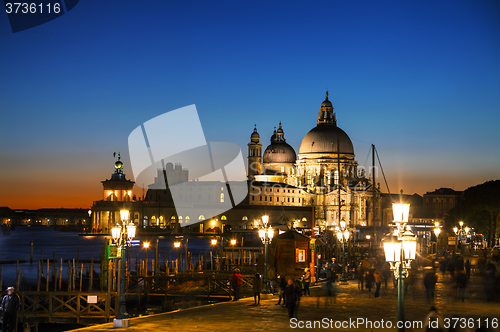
(122, 236)
(233, 243)
(460, 232)
(213, 242)
(399, 251)
(343, 237)
(266, 235)
(437, 231)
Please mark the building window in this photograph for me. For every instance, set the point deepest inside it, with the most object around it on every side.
(301, 255)
(288, 199)
(265, 198)
(260, 198)
(253, 198)
(282, 169)
(293, 200)
(270, 199)
(222, 198)
(277, 199)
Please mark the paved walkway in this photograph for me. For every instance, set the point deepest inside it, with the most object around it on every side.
(351, 303)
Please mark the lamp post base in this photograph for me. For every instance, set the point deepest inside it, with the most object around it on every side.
(120, 323)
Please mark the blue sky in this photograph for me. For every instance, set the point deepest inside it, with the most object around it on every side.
(419, 79)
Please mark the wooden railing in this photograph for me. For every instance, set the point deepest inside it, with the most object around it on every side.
(52, 306)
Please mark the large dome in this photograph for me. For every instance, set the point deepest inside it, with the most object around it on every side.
(279, 152)
(323, 139)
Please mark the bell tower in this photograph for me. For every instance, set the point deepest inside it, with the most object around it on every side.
(254, 154)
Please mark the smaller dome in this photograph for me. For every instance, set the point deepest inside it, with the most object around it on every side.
(326, 102)
(255, 137)
(279, 152)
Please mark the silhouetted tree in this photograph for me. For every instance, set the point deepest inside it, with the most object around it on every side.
(480, 209)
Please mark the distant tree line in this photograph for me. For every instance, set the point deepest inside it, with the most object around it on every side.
(480, 209)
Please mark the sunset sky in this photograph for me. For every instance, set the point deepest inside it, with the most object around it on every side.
(419, 79)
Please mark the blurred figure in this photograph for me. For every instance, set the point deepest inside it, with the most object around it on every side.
(490, 282)
(282, 285)
(257, 288)
(467, 268)
(409, 281)
(386, 273)
(236, 281)
(434, 321)
(369, 279)
(361, 276)
(377, 275)
(289, 297)
(461, 281)
(307, 281)
(442, 266)
(430, 280)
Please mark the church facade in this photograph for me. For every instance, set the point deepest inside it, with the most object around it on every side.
(324, 175)
(317, 188)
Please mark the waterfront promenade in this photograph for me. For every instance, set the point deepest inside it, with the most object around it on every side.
(350, 304)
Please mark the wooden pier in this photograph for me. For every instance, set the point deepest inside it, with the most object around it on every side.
(71, 292)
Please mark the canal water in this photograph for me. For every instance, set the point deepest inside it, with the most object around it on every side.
(66, 245)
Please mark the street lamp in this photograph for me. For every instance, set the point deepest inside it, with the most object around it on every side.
(437, 231)
(122, 237)
(400, 249)
(213, 242)
(343, 237)
(266, 234)
(460, 232)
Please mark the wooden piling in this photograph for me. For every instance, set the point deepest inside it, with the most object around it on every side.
(60, 273)
(91, 276)
(31, 252)
(38, 277)
(81, 276)
(18, 272)
(47, 275)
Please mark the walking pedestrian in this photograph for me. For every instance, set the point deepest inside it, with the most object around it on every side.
(236, 281)
(467, 268)
(377, 275)
(369, 280)
(257, 288)
(461, 281)
(307, 281)
(361, 276)
(289, 296)
(430, 280)
(282, 285)
(9, 307)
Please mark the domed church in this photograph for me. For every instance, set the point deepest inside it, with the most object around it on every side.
(324, 171)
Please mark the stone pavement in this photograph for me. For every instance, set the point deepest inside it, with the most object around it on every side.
(351, 303)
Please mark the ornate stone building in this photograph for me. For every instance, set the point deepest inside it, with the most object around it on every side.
(324, 176)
